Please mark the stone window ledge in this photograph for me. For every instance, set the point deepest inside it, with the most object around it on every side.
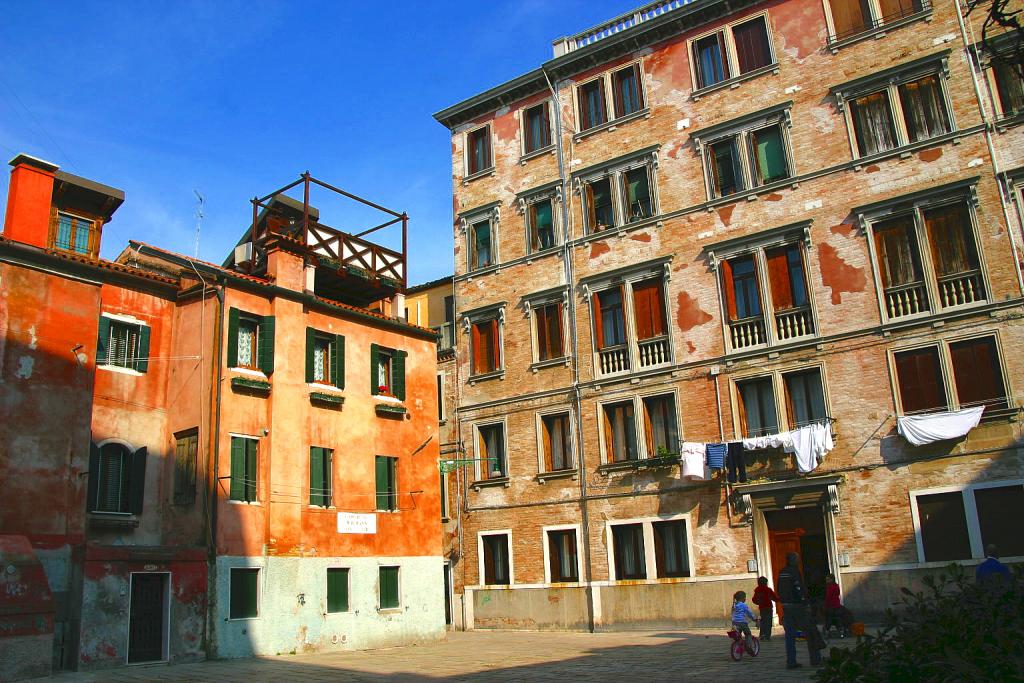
(558, 474)
(489, 483)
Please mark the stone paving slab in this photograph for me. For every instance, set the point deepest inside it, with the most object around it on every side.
(493, 656)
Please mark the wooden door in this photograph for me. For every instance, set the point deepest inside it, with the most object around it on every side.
(146, 618)
(781, 543)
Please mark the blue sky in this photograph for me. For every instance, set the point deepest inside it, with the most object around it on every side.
(236, 99)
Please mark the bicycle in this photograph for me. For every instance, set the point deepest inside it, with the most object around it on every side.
(738, 646)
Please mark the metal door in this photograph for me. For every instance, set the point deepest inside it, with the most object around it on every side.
(146, 618)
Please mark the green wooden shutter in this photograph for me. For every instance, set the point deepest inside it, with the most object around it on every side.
(388, 587)
(398, 370)
(103, 340)
(337, 590)
(338, 362)
(251, 469)
(233, 338)
(94, 477)
(383, 499)
(374, 360)
(316, 475)
(244, 593)
(328, 477)
(266, 345)
(237, 468)
(137, 481)
(142, 353)
(310, 350)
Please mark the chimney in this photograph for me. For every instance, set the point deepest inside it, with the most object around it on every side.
(29, 197)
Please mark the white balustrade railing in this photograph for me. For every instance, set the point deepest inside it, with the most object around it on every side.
(616, 25)
(906, 300)
(613, 359)
(794, 323)
(747, 332)
(653, 352)
(960, 289)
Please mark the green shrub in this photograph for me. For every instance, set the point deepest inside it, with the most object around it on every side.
(953, 630)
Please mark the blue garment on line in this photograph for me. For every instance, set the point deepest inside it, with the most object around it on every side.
(716, 455)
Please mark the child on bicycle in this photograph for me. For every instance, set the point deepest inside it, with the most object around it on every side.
(740, 615)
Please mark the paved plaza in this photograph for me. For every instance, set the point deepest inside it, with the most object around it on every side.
(692, 655)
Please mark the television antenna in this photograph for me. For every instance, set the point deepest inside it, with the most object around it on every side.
(199, 217)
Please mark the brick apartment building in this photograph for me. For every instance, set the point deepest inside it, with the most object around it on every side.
(207, 460)
(707, 221)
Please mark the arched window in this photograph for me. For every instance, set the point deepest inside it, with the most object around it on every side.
(116, 479)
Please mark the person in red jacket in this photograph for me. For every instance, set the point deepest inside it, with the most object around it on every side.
(764, 597)
(835, 613)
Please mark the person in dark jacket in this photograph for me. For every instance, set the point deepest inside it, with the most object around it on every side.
(795, 612)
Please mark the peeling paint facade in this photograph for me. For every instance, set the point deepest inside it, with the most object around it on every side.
(126, 396)
(620, 140)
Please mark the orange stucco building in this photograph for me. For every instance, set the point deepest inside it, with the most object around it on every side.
(210, 460)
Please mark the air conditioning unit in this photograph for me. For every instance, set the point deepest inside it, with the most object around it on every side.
(243, 253)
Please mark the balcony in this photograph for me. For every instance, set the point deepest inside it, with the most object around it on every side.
(445, 337)
(614, 359)
(794, 323)
(902, 301)
(349, 268)
(747, 333)
(961, 289)
(643, 355)
(620, 23)
(654, 352)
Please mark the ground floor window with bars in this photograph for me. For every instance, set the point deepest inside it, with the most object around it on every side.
(244, 468)
(320, 476)
(389, 588)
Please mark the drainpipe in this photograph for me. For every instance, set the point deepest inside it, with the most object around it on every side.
(211, 473)
(1003, 199)
(577, 398)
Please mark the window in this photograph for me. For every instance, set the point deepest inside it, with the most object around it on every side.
(444, 497)
(244, 593)
(387, 372)
(660, 433)
(540, 224)
(592, 104)
(563, 563)
(440, 397)
(320, 476)
(627, 96)
(1009, 88)
(670, 546)
(746, 153)
(757, 412)
(123, 344)
(485, 346)
(186, 454)
(628, 549)
(927, 259)
(480, 254)
(548, 326)
(69, 232)
(390, 595)
(325, 358)
(851, 18)
(766, 296)
(478, 151)
(250, 341)
(386, 469)
(337, 589)
(897, 108)
(974, 366)
(117, 479)
(536, 128)
(620, 431)
(615, 197)
(736, 50)
(958, 524)
(496, 562)
(556, 442)
(805, 397)
(490, 451)
(621, 348)
(244, 471)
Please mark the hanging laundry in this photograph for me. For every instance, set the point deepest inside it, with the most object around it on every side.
(734, 461)
(692, 455)
(757, 443)
(810, 444)
(716, 455)
(931, 427)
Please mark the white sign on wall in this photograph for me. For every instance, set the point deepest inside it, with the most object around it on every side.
(357, 523)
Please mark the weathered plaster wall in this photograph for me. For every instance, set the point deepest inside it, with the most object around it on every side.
(286, 625)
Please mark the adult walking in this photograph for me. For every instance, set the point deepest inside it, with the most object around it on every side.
(795, 613)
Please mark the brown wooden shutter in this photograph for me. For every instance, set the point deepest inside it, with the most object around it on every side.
(951, 241)
(728, 289)
(848, 16)
(495, 346)
(556, 347)
(617, 94)
(478, 349)
(591, 210)
(609, 435)
(978, 376)
(546, 425)
(545, 125)
(595, 304)
(649, 431)
(741, 410)
(778, 277)
(920, 380)
(648, 309)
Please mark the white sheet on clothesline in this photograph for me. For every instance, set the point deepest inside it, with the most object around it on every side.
(931, 427)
